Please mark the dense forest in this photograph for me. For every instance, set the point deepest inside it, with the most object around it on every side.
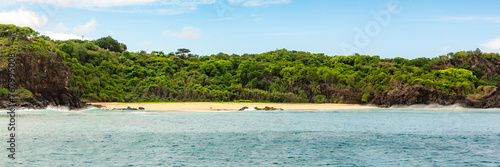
(103, 70)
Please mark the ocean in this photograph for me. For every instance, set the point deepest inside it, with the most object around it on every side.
(347, 137)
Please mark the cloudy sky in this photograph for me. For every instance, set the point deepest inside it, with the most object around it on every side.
(388, 28)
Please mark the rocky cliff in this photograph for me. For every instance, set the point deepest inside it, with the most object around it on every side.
(472, 60)
(418, 94)
(414, 94)
(489, 101)
(40, 71)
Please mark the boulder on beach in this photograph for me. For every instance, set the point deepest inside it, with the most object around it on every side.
(267, 108)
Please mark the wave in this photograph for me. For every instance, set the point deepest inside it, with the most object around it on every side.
(57, 109)
(249, 109)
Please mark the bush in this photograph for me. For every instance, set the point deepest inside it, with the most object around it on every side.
(320, 99)
(22, 93)
(365, 97)
(4, 91)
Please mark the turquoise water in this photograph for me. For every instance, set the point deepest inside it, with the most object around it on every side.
(367, 137)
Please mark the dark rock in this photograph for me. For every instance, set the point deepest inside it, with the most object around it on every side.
(414, 94)
(128, 108)
(243, 108)
(490, 101)
(46, 77)
(267, 108)
(474, 60)
(48, 97)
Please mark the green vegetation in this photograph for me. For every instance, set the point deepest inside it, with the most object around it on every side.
(104, 71)
(22, 93)
(4, 91)
(365, 97)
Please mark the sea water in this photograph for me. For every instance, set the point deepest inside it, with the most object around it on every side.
(348, 137)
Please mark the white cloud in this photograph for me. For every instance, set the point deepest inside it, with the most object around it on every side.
(130, 6)
(146, 43)
(87, 28)
(187, 32)
(22, 18)
(492, 45)
(253, 3)
(62, 36)
(473, 18)
(60, 28)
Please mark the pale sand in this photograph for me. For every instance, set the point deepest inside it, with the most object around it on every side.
(208, 106)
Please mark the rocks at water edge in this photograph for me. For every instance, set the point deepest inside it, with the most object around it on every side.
(489, 101)
(414, 94)
(48, 97)
(267, 108)
(418, 94)
(128, 108)
(257, 108)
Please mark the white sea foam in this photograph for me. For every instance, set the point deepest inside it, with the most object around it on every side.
(58, 109)
(250, 109)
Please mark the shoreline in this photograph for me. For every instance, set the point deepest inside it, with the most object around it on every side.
(223, 106)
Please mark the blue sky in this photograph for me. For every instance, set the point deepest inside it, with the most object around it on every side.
(388, 28)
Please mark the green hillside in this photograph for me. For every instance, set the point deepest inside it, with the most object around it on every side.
(103, 70)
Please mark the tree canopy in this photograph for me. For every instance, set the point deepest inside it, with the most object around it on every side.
(110, 44)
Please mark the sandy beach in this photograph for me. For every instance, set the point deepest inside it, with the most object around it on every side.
(209, 106)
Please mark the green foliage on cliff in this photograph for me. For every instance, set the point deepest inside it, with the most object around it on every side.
(4, 91)
(104, 71)
(22, 93)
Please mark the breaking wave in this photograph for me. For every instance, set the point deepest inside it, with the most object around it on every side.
(57, 109)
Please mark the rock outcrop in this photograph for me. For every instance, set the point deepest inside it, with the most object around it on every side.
(414, 94)
(48, 97)
(489, 67)
(129, 108)
(267, 108)
(45, 75)
(257, 108)
(490, 101)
